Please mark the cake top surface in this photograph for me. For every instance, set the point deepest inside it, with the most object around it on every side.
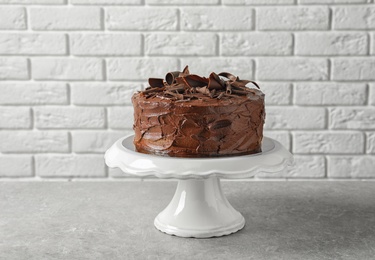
(181, 86)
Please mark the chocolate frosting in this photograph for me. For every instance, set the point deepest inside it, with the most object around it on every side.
(186, 115)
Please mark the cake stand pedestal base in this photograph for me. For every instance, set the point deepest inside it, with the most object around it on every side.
(199, 209)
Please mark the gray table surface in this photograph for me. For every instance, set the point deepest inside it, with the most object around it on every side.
(114, 220)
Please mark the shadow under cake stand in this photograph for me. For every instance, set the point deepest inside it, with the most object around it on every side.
(198, 208)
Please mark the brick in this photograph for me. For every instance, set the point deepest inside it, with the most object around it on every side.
(293, 18)
(354, 17)
(65, 18)
(139, 68)
(328, 142)
(276, 93)
(351, 166)
(239, 44)
(182, 2)
(281, 136)
(295, 118)
(69, 117)
(32, 2)
(12, 18)
(16, 166)
(121, 117)
(352, 118)
(292, 69)
(329, 43)
(103, 93)
(15, 117)
(33, 93)
(140, 18)
(308, 167)
(67, 68)
(32, 43)
(372, 94)
(217, 19)
(106, 2)
(370, 146)
(304, 167)
(13, 68)
(353, 69)
(191, 44)
(94, 44)
(333, 1)
(95, 141)
(33, 141)
(242, 67)
(70, 165)
(330, 93)
(258, 2)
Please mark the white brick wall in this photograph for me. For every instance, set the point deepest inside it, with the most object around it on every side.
(68, 69)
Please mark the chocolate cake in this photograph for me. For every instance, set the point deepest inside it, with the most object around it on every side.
(186, 115)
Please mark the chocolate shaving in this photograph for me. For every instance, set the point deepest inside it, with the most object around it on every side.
(228, 89)
(171, 77)
(180, 80)
(203, 90)
(256, 84)
(243, 83)
(179, 88)
(184, 86)
(214, 82)
(212, 93)
(194, 81)
(177, 95)
(186, 70)
(228, 75)
(240, 92)
(156, 83)
(157, 89)
(221, 95)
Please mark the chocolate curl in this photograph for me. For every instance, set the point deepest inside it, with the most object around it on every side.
(243, 83)
(180, 80)
(156, 83)
(220, 95)
(203, 90)
(253, 83)
(240, 92)
(171, 76)
(184, 73)
(212, 93)
(186, 70)
(194, 81)
(176, 95)
(214, 82)
(228, 89)
(228, 76)
(177, 88)
(153, 90)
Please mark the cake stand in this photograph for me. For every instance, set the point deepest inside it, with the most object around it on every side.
(198, 208)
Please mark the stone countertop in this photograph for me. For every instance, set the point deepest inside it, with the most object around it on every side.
(114, 220)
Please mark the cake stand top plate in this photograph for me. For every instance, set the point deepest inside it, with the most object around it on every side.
(273, 158)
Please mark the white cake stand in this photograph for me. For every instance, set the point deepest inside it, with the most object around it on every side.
(198, 208)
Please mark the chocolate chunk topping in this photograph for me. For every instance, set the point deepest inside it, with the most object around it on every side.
(185, 86)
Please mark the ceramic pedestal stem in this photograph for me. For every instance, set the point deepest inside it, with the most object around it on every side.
(199, 209)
